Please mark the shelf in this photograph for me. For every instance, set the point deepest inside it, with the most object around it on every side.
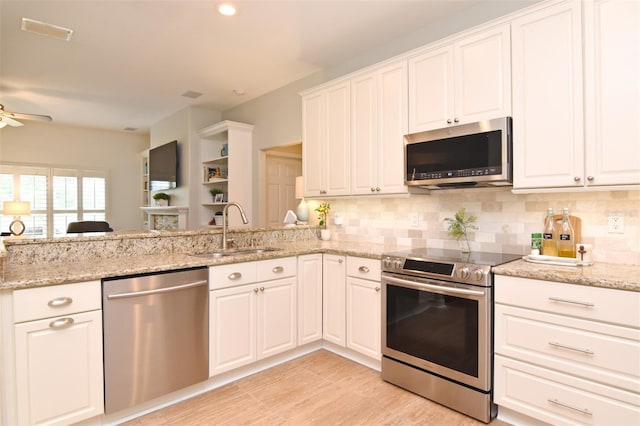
(216, 160)
(216, 180)
(215, 204)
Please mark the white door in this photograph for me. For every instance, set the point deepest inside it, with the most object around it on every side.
(333, 296)
(363, 316)
(281, 172)
(59, 369)
(276, 316)
(548, 149)
(232, 319)
(309, 298)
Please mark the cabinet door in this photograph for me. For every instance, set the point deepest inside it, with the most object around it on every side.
(364, 136)
(483, 76)
(309, 298)
(612, 67)
(333, 297)
(276, 317)
(313, 135)
(431, 90)
(547, 98)
(59, 369)
(363, 316)
(232, 319)
(392, 126)
(337, 140)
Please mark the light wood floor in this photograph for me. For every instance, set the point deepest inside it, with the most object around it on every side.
(320, 388)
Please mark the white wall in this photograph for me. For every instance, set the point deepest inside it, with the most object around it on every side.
(60, 145)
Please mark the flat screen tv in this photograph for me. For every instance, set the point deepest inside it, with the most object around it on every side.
(163, 166)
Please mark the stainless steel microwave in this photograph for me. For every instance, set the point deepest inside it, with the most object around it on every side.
(469, 155)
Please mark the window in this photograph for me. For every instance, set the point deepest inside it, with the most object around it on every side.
(57, 196)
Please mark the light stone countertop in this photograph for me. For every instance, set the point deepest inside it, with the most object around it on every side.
(46, 274)
(607, 275)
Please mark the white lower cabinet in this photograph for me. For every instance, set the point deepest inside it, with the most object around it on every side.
(333, 299)
(363, 306)
(58, 353)
(251, 321)
(309, 298)
(567, 354)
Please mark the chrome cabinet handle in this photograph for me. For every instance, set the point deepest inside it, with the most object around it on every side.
(377, 189)
(571, 348)
(61, 323)
(377, 289)
(277, 270)
(571, 407)
(255, 290)
(456, 120)
(60, 301)
(590, 178)
(577, 178)
(373, 189)
(340, 260)
(363, 269)
(449, 121)
(574, 302)
(235, 276)
(261, 288)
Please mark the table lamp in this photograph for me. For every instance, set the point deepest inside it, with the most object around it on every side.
(16, 209)
(303, 211)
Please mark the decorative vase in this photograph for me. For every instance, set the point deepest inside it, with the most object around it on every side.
(218, 220)
(465, 247)
(162, 203)
(325, 234)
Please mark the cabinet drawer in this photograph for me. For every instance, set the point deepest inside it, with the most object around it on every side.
(45, 302)
(602, 352)
(558, 398)
(360, 267)
(593, 303)
(274, 269)
(232, 275)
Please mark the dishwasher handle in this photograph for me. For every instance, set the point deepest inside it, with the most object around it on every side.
(156, 291)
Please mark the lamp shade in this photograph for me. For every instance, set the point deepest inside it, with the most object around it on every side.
(299, 187)
(16, 208)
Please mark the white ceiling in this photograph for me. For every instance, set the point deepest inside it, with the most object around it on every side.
(129, 62)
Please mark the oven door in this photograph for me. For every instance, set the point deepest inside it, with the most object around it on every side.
(438, 327)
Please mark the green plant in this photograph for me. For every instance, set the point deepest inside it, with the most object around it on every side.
(215, 191)
(460, 225)
(323, 213)
(161, 196)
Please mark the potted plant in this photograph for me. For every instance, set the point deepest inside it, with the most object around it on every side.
(459, 226)
(217, 218)
(323, 215)
(162, 199)
(216, 192)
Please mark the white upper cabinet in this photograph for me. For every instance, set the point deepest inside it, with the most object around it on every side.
(378, 125)
(577, 126)
(466, 81)
(612, 76)
(326, 141)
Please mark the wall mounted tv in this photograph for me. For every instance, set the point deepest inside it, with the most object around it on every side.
(163, 166)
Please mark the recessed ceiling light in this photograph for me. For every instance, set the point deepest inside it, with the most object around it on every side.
(238, 92)
(45, 29)
(227, 9)
(191, 94)
(130, 129)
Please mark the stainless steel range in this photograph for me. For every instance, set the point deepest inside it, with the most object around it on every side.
(437, 331)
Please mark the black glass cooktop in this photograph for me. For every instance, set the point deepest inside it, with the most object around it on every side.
(442, 255)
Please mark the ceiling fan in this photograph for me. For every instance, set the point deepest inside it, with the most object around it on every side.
(10, 118)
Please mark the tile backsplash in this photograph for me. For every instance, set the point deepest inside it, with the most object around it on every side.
(505, 220)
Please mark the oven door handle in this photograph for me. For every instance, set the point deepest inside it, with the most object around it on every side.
(419, 285)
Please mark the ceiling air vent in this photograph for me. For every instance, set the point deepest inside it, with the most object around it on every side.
(49, 30)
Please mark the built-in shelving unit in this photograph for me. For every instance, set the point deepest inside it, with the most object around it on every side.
(225, 154)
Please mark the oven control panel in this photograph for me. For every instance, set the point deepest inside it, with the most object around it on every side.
(447, 271)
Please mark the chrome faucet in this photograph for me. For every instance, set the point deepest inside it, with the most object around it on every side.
(225, 220)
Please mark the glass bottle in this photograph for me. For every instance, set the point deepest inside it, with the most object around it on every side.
(566, 243)
(550, 235)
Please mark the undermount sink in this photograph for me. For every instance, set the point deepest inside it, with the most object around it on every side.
(237, 252)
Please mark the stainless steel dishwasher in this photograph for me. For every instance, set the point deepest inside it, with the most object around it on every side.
(156, 335)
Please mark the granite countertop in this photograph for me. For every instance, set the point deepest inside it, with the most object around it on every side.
(607, 275)
(45, 274)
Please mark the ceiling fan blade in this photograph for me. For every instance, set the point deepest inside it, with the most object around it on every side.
(23, 116)
(10, 121)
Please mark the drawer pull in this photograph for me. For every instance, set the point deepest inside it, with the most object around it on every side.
(261, 288)
(61, 323)
(571, 407)
(377, 289)
(575, 302)
(60, 301)
(571, 348)
(363, 269)
(235, 276)
(277, 270)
